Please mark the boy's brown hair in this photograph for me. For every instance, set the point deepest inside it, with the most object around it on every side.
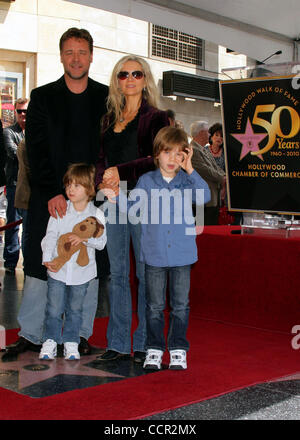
(84, 175)
(168, 138)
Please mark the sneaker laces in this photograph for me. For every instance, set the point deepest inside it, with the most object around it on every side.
(153, 355)
(178, 357)
(72, 346)
(49, 345)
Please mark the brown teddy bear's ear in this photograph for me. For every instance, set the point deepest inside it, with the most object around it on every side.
(99, 229)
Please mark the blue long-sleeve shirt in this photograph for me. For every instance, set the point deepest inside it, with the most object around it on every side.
(165, 209)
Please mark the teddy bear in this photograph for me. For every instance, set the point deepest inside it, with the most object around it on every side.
(90, 227)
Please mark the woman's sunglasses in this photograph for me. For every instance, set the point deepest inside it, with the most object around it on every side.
(137, 74)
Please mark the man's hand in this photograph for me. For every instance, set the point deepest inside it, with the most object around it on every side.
(59, 204)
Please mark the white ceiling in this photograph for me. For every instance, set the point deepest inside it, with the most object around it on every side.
(274, 15)
(256, 28)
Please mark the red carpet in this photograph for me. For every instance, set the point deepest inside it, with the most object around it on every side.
(244, 302)
(222, 358)
(247, 279)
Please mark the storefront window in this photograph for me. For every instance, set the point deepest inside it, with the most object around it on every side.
(10, 90)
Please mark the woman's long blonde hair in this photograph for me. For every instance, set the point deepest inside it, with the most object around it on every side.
(116, 100)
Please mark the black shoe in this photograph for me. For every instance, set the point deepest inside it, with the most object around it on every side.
(139, 357)
(9, 357)
(84, 347)
(111, 355)
(20, 346)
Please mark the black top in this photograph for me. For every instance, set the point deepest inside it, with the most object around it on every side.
(53, 140)
(78, 128)
(122, 147)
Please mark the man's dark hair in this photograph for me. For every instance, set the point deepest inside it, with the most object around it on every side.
(76, 33)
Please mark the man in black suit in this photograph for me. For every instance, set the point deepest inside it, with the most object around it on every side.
(62, 127)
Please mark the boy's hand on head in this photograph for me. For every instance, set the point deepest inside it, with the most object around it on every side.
(186, 162)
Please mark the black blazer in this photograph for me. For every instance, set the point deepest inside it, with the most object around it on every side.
(46, 131)
(45, 135)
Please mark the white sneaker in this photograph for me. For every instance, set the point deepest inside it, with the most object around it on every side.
(178, 360)
(48, 350)
(71, 352)
(153, 359)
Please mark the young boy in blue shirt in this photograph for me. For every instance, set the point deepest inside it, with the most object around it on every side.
(162, 201)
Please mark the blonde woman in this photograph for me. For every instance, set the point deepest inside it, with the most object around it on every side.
(128, 131)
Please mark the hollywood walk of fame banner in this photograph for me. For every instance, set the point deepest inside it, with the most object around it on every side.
(261, 126)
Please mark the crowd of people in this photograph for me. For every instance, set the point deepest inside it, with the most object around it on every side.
(83, 136)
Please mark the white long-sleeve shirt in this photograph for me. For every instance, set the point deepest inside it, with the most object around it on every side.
(71, 273)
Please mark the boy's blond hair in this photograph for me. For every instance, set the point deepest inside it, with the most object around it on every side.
(82, 174)
(168, 138)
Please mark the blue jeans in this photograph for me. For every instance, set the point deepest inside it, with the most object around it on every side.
(12, 244)
(120, 318)
(31, 315)
(64, 300)
(179, 287)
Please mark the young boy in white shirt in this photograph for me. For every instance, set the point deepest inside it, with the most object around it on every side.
(67, 285)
